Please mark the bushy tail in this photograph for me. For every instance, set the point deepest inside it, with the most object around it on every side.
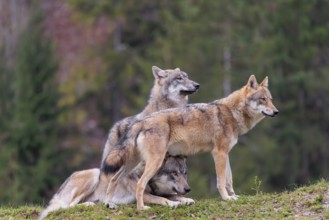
(74, 190)
(52, 207)
(121, 153)
(114, 161)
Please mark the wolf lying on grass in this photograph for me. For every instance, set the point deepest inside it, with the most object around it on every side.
(167, 187)
(195, 128)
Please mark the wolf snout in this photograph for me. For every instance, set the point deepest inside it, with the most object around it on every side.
(187, 189)
(196, 86)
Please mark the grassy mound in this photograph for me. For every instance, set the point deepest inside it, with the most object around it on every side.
(309, 202)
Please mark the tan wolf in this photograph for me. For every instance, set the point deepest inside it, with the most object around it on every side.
(171, 89)
(195, 128)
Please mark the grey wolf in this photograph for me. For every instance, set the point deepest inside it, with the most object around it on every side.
(171, 89)
(213, 127)
(166, 187)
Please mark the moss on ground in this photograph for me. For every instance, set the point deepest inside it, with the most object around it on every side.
(309, 202)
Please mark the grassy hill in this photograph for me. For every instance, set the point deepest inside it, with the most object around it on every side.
(309, 202)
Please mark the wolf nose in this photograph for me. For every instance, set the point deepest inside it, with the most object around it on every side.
(197, 86)
(276, 112)
(187, 189)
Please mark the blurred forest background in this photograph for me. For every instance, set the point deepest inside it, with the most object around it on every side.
(70, 69)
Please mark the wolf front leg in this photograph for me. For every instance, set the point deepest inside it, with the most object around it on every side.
(152, 199)
(229, 181)
(220, 155)
(183, 200)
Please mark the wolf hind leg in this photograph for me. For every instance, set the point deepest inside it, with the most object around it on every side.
(111, 188)
(123, 171)
(153, 162)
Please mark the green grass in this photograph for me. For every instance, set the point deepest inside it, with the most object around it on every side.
(309, 202)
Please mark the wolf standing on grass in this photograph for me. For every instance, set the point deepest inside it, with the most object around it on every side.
(171, 89)
(195, 128)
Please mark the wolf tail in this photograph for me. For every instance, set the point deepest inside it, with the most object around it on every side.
(114, 161)
(50, 208)
(74, 190)
(122, 152)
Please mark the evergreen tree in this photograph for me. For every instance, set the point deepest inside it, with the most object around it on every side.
(6, 104)
(34, 128)
(219, 44)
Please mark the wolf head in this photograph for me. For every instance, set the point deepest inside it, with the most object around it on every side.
(259, 98)
(174, 83)
(171, 178)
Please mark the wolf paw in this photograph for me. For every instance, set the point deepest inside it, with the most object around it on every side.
(88, 203)
(173, 204)
(235, 197)
(187, 201)
(230, 198)
(145, 207)
(111, 205)
(232, 193)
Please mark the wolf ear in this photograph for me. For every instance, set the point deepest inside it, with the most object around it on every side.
(265, 82)
(252, 82)
(177, 69)
(158, 73)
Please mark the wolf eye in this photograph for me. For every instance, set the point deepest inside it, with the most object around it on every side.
(263, 99)
(179, 78)
(174, 173)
